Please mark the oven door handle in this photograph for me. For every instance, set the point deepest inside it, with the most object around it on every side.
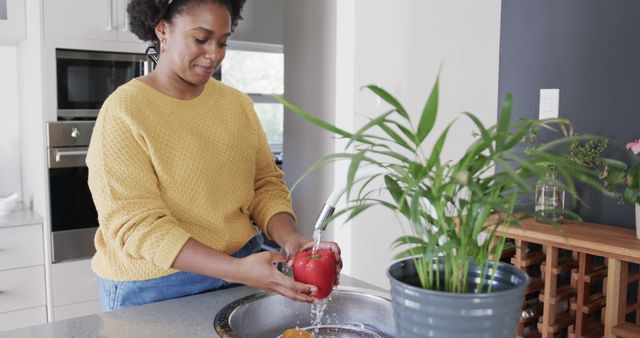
(59, 153)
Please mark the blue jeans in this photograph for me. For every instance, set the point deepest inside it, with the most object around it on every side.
(116, 295)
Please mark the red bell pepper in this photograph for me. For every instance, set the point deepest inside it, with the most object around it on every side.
(317, 269)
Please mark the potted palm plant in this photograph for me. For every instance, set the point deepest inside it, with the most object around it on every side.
(446, 282)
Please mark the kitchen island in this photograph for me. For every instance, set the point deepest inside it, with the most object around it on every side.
(182, 317)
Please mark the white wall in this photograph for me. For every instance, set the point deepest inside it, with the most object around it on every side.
(319, 58)
(309, 46)
(31, 81)
(9, 122)
(400, 46)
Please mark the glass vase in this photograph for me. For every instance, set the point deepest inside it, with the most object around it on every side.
(549, 199)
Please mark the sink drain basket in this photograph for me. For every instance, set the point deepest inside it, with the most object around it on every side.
(339, 331)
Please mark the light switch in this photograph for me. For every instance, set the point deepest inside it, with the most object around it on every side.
(549, 103)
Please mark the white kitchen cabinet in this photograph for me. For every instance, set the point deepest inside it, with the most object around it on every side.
(21, 247)
(124, 34)
(21, 318)
(22, 288)
(22, 272)
(12, 21)
(22, 276)
(75, 289)
(76, 310)
(87, 19)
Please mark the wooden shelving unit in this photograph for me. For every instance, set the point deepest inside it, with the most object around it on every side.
(528, 257)
(582, 275)
(587, 277)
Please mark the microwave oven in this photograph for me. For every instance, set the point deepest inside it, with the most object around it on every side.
(86, 78)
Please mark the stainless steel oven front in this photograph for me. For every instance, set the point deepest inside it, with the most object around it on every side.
(74, 219)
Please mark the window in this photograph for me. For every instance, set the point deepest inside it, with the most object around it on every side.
(258, 70)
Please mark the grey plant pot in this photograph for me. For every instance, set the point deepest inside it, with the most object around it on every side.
(421, 312)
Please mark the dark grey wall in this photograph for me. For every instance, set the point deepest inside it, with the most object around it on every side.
(590, 49)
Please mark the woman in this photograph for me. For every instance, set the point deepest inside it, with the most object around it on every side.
(179, 167)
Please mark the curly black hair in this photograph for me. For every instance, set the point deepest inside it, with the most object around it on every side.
(144, 15)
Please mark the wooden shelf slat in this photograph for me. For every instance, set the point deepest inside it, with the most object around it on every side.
(632, 307)
(536, 284)
(596, 302)
(562, 322)
(591, 238)
(614, 294)
(533, 258)
(595, 330)
(564, 265)
(593, 276)
(626, 330)
(563, 293)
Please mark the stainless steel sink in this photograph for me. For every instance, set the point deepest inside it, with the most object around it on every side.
(349, 310)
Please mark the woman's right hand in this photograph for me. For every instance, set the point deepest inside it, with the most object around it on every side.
(258, 270)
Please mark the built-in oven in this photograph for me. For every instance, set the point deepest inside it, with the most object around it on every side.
(86, 78)
(74, 219)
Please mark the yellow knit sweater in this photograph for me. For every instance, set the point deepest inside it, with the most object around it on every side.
(162, 170)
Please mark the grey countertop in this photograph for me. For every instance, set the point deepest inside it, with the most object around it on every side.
(21, 215)
(182, 317)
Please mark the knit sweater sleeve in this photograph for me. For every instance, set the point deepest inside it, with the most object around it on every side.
(271, 193)
(124, 186)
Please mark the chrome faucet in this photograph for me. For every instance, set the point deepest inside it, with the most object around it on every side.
(330, 205)
(325, 213)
